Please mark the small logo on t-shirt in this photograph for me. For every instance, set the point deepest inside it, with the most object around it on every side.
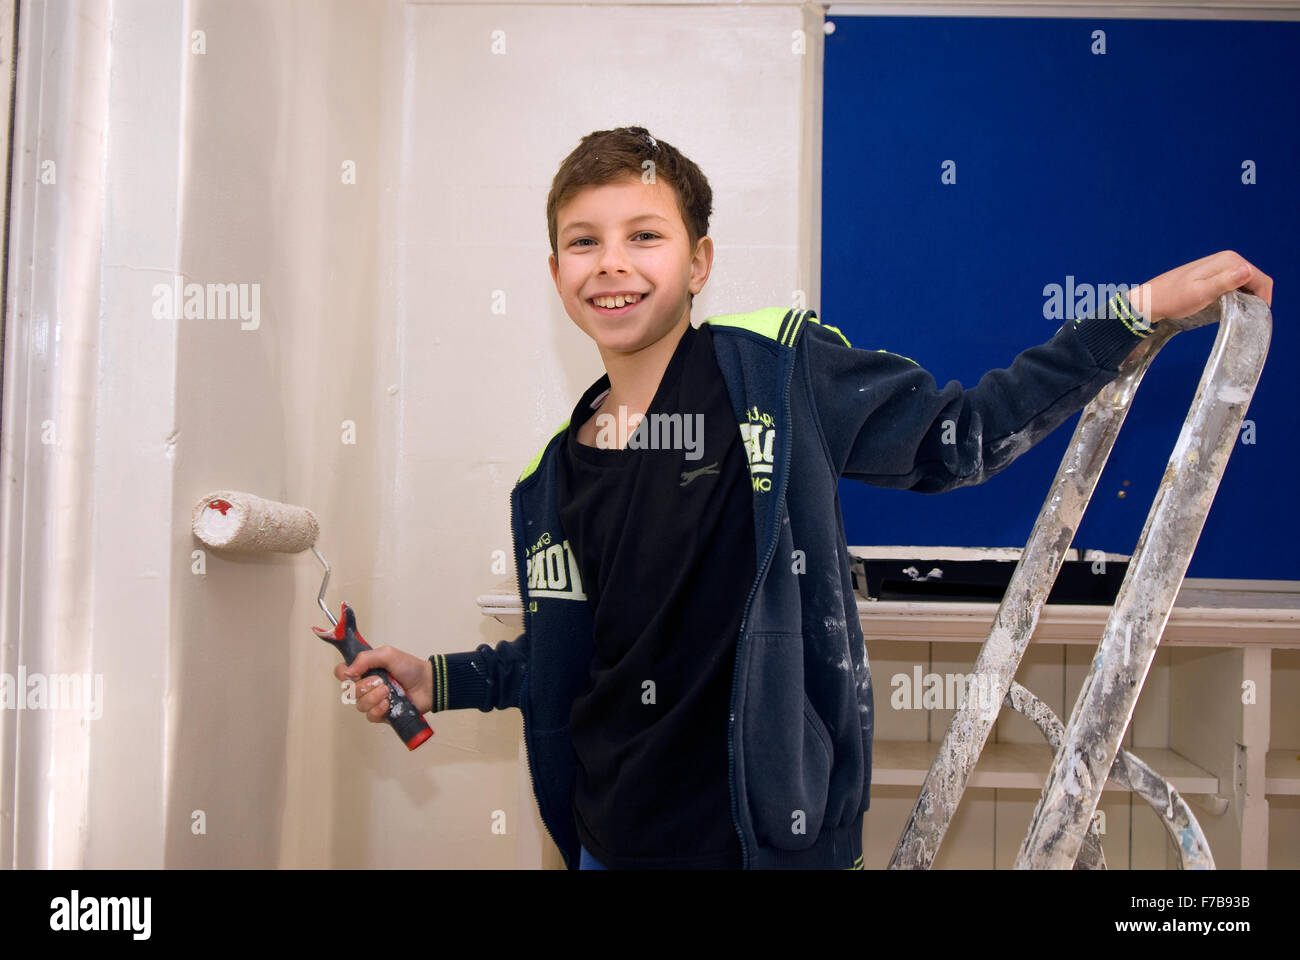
(710, 471)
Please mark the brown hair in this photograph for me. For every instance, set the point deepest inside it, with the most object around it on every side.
(609, 156)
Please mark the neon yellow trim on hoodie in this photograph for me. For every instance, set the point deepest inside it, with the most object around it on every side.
(532, 464)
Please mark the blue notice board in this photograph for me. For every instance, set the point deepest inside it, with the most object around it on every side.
(1081, 152)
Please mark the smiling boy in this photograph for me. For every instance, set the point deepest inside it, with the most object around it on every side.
(692, 673)
(656, 257)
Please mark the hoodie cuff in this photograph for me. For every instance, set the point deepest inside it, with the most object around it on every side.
(1111, 333)
(457, 683)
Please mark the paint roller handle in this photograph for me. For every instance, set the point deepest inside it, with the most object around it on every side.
(403, 715)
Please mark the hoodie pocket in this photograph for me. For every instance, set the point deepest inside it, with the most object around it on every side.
(787, 748)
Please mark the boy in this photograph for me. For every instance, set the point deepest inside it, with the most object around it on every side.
(687, 597)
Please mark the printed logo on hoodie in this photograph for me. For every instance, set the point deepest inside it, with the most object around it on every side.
(759, 435)
(553, 570)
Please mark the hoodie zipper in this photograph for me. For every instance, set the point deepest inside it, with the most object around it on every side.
(521, 571)
(771, 550)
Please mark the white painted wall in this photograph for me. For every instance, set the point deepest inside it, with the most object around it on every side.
(138, 159)
(376, 308)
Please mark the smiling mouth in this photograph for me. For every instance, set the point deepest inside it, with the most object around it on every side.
(616, 311)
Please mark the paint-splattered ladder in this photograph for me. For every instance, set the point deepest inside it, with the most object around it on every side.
(1061, 834)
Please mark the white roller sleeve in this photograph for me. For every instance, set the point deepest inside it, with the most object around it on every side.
(240, 522)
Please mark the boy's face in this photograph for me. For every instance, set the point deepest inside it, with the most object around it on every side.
(627, 237)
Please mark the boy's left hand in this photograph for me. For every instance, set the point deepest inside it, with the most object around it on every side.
(1187, 289)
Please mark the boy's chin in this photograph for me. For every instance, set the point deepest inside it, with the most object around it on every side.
(616, 335)
(621, 341)
(623, 334)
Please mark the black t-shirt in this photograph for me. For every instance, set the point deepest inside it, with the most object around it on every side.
(663, 533)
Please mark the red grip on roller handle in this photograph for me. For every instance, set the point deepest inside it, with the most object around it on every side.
(402, 714)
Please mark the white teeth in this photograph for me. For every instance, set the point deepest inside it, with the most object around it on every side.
(614, 303)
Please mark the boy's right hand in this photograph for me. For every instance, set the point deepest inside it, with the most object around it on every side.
(414, 674)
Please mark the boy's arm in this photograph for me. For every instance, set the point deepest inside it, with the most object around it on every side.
(486, 678)
(887, 423)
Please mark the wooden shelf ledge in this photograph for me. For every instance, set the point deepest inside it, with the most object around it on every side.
(1021, 766)
(1282, 773)
(1206, 613)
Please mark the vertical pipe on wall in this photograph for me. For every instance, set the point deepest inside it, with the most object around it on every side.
(85, 569)
(57, 205)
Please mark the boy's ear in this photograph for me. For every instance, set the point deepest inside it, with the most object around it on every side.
(555, 275)
(702, 263)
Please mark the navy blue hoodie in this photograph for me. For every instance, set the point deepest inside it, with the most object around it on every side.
(811, 409)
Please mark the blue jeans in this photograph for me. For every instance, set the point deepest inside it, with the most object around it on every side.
(588, 862)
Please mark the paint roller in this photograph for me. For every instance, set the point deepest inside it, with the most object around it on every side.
(232, 522)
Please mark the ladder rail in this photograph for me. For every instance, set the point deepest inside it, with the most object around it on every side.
(1018, 613)
(1040, 562)
(1023, 701)
(1155, 574)
(1132, 774)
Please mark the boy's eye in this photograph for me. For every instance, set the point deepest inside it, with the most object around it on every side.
(643, 233)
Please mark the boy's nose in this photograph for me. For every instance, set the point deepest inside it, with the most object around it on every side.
(613, 256)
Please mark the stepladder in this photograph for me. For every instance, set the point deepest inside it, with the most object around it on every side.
(1086, 748)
